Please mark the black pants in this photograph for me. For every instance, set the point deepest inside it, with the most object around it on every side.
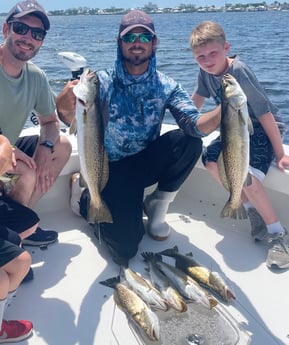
(167, 161)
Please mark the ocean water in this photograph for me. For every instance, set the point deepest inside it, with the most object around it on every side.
(260, 38)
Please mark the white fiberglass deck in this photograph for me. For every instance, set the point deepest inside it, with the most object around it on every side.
(68, 306)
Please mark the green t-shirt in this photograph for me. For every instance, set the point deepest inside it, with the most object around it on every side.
(20, 96)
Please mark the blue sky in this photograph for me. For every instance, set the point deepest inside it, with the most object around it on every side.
(6, 5)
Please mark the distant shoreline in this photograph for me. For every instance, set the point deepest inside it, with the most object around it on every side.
(153, 9)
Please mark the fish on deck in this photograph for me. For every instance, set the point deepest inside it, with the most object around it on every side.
(135, 308)
(207, 278)
(184, 284)
(161, 282)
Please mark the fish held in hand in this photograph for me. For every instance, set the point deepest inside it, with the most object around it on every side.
(135, 308)
(211, 280)
(89, 128)
(233, 162)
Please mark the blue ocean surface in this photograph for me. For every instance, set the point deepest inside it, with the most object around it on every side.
(259, 38)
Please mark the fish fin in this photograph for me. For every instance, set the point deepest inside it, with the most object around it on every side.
(104, 176)
(248, 180)
(241, 117)
(148, 256)
(190, 254)
(73, 127)
(250, 126)
(238, 213)
(111, 282)
(99, 215)
(222, 171)
(212, 301)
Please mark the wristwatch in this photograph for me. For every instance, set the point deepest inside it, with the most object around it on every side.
(49, 144)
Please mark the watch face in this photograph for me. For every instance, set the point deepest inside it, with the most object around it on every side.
(48, 144)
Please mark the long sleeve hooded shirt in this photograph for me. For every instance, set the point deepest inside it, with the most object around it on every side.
(133, 108)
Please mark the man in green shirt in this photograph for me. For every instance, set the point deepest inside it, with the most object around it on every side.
(24, 89)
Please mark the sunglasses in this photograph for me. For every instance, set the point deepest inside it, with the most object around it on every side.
(21, 29)
(143, 37)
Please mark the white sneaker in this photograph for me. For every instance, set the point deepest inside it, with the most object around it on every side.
(75, 193)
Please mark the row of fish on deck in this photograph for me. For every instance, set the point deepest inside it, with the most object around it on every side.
(168, 286)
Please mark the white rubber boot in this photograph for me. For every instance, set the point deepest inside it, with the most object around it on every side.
(75, 193)
(155, 207)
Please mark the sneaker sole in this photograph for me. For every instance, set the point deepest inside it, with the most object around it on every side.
(276, 266)
(16, 340)
(37, 244)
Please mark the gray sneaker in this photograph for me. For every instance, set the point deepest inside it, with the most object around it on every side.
(258, 226)
(278, 254)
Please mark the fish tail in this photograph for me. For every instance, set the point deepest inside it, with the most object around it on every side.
(111, 282)
(148, 256)
(242, 213)
(170, 252)
(234, 213)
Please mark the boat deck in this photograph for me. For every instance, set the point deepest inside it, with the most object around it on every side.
(67, 305)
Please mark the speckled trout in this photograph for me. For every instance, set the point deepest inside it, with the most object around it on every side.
(205, 277)
(135, 308)
(88, 125)
(233, 162)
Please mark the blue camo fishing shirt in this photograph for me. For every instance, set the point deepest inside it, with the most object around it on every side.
(133, 108)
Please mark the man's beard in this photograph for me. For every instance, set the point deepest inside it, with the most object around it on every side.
(136, 60)
(21, 56)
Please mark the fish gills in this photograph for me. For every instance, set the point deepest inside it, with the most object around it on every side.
(235, 130)
(88, 125)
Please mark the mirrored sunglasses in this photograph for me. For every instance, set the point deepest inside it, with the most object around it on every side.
(21, 29)
(143, 37)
